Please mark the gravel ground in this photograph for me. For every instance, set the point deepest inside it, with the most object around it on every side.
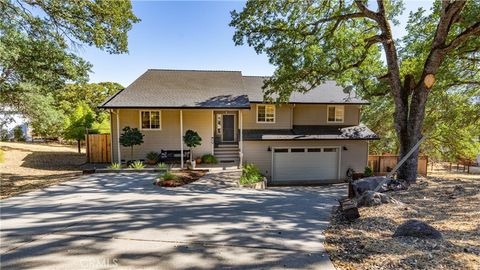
(29, 166)
(450, 202)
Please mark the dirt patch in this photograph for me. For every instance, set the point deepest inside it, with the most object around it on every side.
(29, 166)
(183, 177)
(448, 202)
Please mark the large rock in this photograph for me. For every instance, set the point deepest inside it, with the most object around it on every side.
(371, 198)
(369, 183)
(418, 229)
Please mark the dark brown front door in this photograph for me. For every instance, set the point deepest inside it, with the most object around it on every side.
(228, 122)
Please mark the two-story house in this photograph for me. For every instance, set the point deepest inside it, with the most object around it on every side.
(314, 138)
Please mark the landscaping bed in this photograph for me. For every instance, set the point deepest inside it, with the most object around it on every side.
(178, 178)
(448, 202)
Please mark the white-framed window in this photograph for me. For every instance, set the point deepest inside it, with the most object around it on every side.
(150, 120)
(265, 113)
(335, 114)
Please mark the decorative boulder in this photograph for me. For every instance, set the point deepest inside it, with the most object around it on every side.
(371, 198)
(369, 183)
(418, 229)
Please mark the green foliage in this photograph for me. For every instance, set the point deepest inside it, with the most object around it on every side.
(131, 137)
(168, 176)
(36, 48)
(18, 134)
(4, 135)
(153, 156)
(310, 43)
(368, 172)
(76, 125)
(137, 164)
(192, 140)
(209, 159)
(162, 166)
(115, 166)
(250, 175)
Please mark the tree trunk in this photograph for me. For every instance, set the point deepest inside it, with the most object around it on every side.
(79, 147)
(131, 153)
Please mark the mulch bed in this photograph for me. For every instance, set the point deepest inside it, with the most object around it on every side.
(449, 204)
(184, 177)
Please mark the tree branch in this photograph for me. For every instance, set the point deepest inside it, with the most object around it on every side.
(367, 12)
(473, 30)
(370, 41)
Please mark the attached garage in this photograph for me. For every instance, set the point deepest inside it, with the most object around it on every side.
(305, 164)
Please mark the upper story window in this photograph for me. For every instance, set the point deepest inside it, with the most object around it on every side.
(335, 114)
(265, 113)
(150, 119)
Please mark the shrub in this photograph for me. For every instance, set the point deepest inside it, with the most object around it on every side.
(162, 166)
(115, 166)
(131, 137)
(368, 172)
(192, 140)
(153, 156)
(168, 176)
(137, 164)
(209, 159)
(250, 175)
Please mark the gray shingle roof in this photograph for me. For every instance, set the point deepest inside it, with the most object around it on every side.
(210, 89)
(327, 93)
(360, 132)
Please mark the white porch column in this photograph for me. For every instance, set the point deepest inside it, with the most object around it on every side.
(181, 138)
(118, 137)
(241, 138)
(214, 123)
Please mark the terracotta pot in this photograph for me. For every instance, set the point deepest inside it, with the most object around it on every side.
(199, 160)
(151, 162)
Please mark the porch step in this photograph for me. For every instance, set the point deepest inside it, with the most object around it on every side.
(227, 145)
(226, 151)
(223, 160)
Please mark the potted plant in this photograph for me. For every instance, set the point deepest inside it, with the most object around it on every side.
(209, 159)
(152, 158)
(192, 140)
(198, 160)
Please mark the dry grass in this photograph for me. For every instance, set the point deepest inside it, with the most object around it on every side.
(31, 166)
(183, 177)
(449, 202)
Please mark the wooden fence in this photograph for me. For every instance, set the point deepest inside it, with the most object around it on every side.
(382, 164)
(98, 148)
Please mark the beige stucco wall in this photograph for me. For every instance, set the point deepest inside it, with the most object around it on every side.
(283, 118)
(355, 157)
(168, 138)
(306, 114)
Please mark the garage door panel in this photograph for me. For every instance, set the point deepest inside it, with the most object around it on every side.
(305, 166)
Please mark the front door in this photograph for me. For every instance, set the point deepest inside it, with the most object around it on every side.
(228, 123)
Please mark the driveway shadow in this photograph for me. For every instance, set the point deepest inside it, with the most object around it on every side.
(124, 218)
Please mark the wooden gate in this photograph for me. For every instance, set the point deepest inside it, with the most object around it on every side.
(384, 163)
(98, 148)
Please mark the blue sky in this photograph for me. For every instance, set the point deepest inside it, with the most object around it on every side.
(186, 35)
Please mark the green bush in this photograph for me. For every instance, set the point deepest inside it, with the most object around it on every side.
(137, 164)
(209, 159)
(162, 166)
(250, 175)
(368, 172)
(153, 156)
(168, 176)
(115, 166)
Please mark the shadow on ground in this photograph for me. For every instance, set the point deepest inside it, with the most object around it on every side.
(123, 220)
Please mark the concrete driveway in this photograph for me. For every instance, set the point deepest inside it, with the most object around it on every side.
(122, 221)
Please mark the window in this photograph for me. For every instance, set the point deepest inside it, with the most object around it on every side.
(281, 150)
(329, 149)
(297, 150)
(265, 113)
(314, 149)
(150, 119)
(335, 114)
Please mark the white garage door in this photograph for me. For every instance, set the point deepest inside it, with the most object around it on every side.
(305, 164)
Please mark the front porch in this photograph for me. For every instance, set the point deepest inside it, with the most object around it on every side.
(221, 131)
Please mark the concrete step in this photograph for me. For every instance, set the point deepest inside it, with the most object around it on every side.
(229, 151)
(227, 156)
(227, 145)
(228, 160)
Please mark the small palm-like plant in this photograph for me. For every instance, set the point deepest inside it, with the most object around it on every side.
(162, 166)
(137, 164)
(168, 176)
(115, 166)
